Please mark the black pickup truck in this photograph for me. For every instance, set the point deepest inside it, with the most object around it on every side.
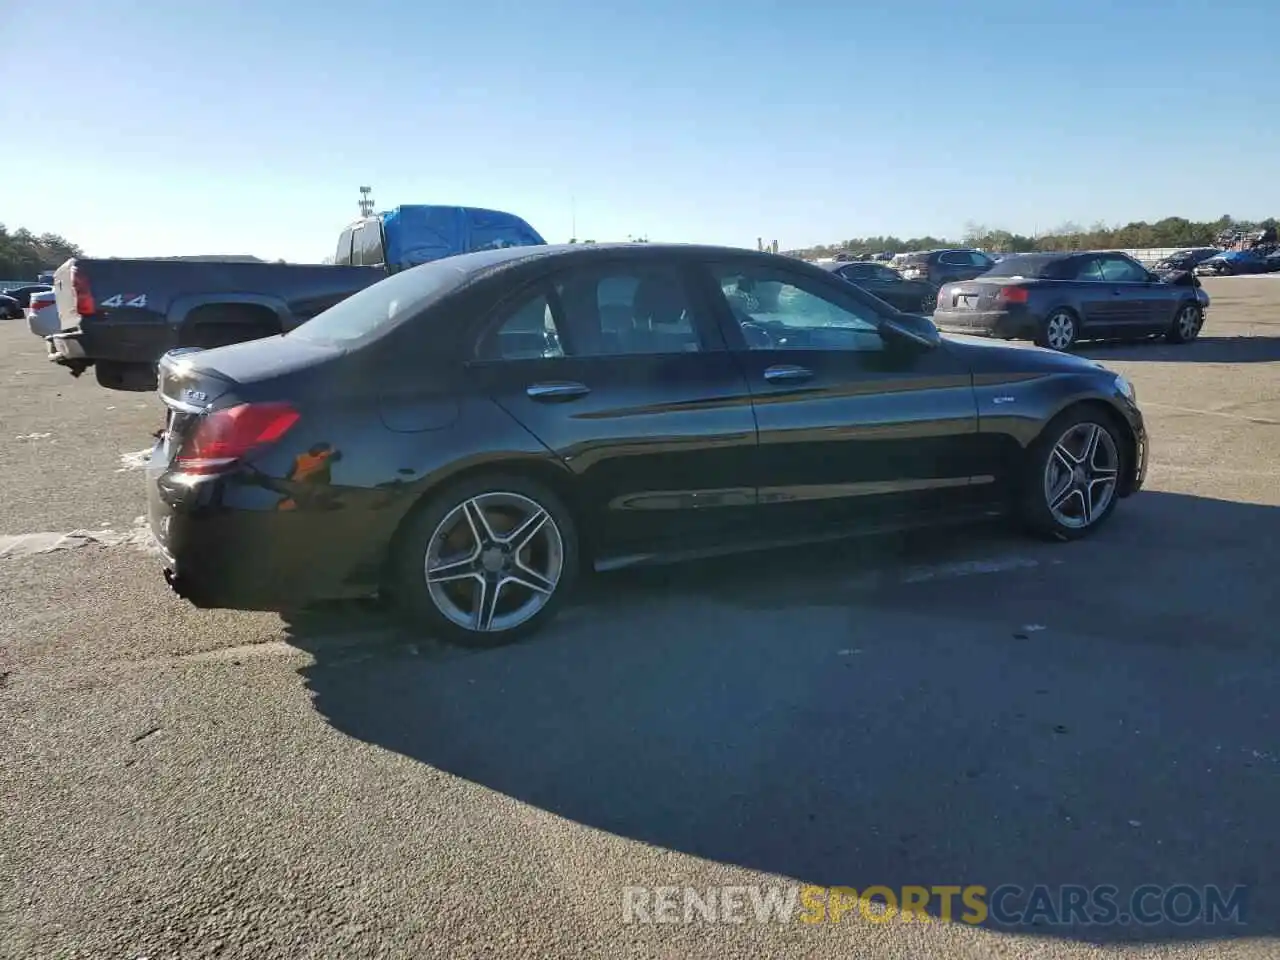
(121, 316)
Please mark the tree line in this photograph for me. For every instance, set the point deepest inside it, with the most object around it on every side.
(23, 255)
(1169, 232)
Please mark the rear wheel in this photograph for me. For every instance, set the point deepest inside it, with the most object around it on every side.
(1073, 475)
(929, 302)
(1186, 324)
(487, 561)
(1058, 331)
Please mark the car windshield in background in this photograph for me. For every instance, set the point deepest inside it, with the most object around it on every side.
(383, 305)
(1026, 265)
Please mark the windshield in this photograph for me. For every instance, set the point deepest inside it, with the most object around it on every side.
(383, 305)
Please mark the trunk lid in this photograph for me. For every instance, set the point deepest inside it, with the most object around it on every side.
(192, 381)
(974, 294)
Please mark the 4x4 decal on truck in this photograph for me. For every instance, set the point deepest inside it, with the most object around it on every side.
(126, 300)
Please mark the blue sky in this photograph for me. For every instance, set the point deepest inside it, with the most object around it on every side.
(162, 127)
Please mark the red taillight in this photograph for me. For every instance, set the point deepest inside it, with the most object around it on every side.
(84, 296)
(224, 436)
(1012, 295)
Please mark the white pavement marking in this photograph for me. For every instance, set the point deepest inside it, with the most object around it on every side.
(33, 436)
(31, 544)
(942, 571)
(967, 568)
(1215, 413)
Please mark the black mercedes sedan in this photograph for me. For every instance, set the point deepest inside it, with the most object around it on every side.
(1056, 299)
(911, 296)
(466, 436)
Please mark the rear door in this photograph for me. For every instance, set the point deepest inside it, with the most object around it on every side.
(621, 371)
(851, 428)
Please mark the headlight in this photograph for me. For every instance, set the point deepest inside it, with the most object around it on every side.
(1125, 388)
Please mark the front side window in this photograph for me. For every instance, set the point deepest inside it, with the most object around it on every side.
(1121, 270)
(1088, 269)
(370, 243)
(778, 311)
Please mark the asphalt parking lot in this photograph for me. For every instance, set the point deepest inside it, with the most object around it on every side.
(971, 708)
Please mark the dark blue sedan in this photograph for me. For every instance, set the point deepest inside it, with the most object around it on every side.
(1056, 299)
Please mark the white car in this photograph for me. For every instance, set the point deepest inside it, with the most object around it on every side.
(42, 314)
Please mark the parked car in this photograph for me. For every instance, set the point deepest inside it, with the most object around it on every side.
(1233, 263)
(1185, 259)
(465, 436)
(120, 316)
(912, 296)
(42, 313)
(23, 293)
(10, 308)
(944, 266)
(1056, 299)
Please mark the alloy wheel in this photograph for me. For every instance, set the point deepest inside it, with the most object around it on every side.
(1081, 475)
(494, 561)
(1188, 322)
(1060, 331)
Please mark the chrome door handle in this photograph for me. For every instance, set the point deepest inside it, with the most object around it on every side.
(785, 372)
(559, 390)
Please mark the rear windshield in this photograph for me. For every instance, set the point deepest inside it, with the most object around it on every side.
(382, 306)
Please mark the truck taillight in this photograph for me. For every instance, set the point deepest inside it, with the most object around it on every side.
(1012, 295)
(224, 437)
(84, 296)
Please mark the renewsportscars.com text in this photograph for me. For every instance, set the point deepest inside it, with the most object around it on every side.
(1006, 905)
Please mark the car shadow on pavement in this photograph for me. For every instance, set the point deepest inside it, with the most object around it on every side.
(1260, 349)
(828, 716)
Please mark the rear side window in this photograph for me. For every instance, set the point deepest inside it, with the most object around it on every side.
(382, 306)
(343, 257)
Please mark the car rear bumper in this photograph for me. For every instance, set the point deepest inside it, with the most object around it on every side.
(236, 543)
(94, 339)
(986, 323)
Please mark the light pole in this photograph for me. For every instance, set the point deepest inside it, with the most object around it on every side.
(366, 201)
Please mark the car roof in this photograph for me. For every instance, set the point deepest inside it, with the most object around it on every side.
(487, 261)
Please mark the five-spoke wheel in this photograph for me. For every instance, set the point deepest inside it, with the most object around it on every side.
(1074, 476)
(487, 560)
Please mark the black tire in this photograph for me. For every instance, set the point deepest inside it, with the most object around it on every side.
(1034, 507)
(1058, 320)
(929, 302)
(1186, 323)
(407, 583)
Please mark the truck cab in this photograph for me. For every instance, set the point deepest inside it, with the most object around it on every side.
(414, 234)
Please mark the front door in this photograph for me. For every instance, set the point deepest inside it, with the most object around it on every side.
(620, 373)
(852, 427)
(1133, 299)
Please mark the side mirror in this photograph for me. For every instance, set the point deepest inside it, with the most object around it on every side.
(910, 328)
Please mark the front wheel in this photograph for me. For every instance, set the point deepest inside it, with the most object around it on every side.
(1059, 330)
(487, 561)
(1073, 476)
(1187, 324)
